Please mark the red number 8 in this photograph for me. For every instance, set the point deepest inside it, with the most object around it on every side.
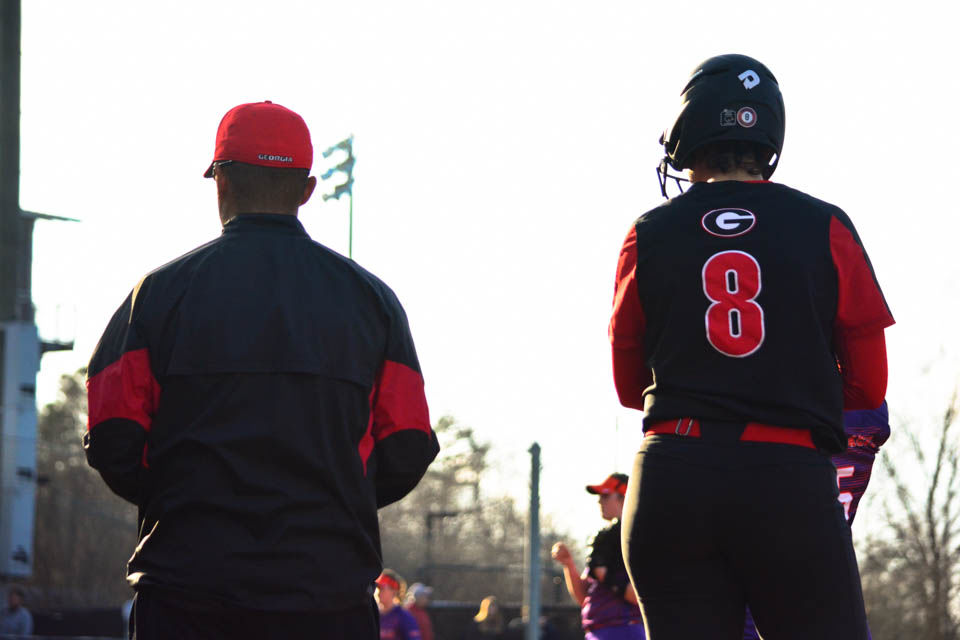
(734, 322)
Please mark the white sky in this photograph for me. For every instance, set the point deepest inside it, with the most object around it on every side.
(503, 150)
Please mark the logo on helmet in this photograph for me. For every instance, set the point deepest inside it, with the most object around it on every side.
(749, 78)
(746, 117)
(728, 223)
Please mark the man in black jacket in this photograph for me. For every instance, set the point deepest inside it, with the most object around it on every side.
(258, 399)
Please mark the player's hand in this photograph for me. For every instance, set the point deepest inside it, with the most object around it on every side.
(560, 553)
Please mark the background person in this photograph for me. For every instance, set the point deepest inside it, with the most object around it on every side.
(396, 623)
(517, 627)
(15, 619)
(258, 399)
(488, 623)
(608, 604)
(418, 599)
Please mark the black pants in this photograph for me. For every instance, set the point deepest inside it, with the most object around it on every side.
(712, 524)
(162, 616)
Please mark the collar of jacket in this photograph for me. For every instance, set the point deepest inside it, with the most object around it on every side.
(269, 222)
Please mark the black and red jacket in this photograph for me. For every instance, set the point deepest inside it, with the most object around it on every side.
(735, 302)
(258, 399)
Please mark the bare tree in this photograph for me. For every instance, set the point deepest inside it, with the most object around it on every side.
(910, 577)
(448, 533)
(84, 533)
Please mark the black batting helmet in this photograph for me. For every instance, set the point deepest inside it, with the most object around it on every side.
(728, 98)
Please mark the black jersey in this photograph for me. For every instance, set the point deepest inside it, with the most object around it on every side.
(605, 552)
(738, 298)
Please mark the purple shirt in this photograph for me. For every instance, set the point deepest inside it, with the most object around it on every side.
(604, 605)
(398, 624)
(604, 608)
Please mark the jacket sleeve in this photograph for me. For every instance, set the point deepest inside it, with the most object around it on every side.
(403, 443)
(122, 397)
(631, 376)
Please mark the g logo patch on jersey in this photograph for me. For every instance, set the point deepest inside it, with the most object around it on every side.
(728, 223)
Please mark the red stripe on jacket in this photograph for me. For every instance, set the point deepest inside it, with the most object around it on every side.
(126, 389)
(397, 404)
(365, 448)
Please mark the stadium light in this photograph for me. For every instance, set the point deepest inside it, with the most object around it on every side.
(344, 188)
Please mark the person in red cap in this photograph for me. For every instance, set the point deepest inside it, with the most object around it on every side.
(396, 623)
(608, 604)
(258, 399)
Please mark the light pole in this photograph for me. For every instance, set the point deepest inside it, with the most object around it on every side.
(345, 167)
(532, 595)
(20, 345)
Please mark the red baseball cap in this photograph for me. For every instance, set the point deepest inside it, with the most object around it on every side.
(383, 580)
(615, 483)
(264, 134)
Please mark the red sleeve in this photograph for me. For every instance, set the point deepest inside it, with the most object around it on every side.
(122, 395)
(400, 402)
(627, 326)
(863, 366)
(399, 443)
(630, 376)
(397, 403)
(125, 389)
(627, 323)
(861, 308)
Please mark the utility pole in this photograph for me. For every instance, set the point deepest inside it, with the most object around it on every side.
(20, 345)
(431, 518)
(532, 592)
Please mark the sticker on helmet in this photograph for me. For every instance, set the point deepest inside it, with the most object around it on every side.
(749, 78)
(746, 117)
(728, 223)
(728, 118)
